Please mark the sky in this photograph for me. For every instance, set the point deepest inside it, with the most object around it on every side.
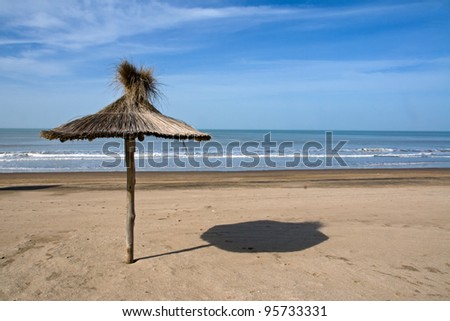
(313, 65)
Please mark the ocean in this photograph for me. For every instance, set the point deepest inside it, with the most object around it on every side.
(22, 150)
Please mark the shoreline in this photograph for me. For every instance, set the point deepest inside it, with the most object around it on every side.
(317, 178)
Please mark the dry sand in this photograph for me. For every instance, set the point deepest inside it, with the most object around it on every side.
(280, 235)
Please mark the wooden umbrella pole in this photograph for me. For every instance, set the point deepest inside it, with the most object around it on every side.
(130, 144)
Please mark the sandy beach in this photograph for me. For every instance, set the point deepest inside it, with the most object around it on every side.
(265, 235)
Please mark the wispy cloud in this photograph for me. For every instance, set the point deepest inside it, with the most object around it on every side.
(16, 67)
(38, 32)
(299, 77)
(77, 24)
(57, 34)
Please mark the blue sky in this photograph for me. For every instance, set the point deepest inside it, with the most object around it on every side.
(374, 65)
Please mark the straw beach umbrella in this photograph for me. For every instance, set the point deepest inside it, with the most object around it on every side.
(131, 116)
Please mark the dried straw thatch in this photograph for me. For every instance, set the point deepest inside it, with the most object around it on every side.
(131, 116)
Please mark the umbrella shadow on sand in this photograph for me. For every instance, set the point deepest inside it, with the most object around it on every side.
(259, 236)
(265, 236)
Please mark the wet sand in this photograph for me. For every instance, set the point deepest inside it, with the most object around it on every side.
(271, 235)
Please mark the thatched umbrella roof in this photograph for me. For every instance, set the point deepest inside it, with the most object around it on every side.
(132, 115)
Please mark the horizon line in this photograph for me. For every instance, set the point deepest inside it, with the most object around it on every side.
(275, 129)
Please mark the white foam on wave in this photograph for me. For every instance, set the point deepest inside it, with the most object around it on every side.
(375, 150)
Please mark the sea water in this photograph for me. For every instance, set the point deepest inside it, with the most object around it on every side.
(23, 150)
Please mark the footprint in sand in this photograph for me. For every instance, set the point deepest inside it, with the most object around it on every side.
(409, 268)
(433, 270)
